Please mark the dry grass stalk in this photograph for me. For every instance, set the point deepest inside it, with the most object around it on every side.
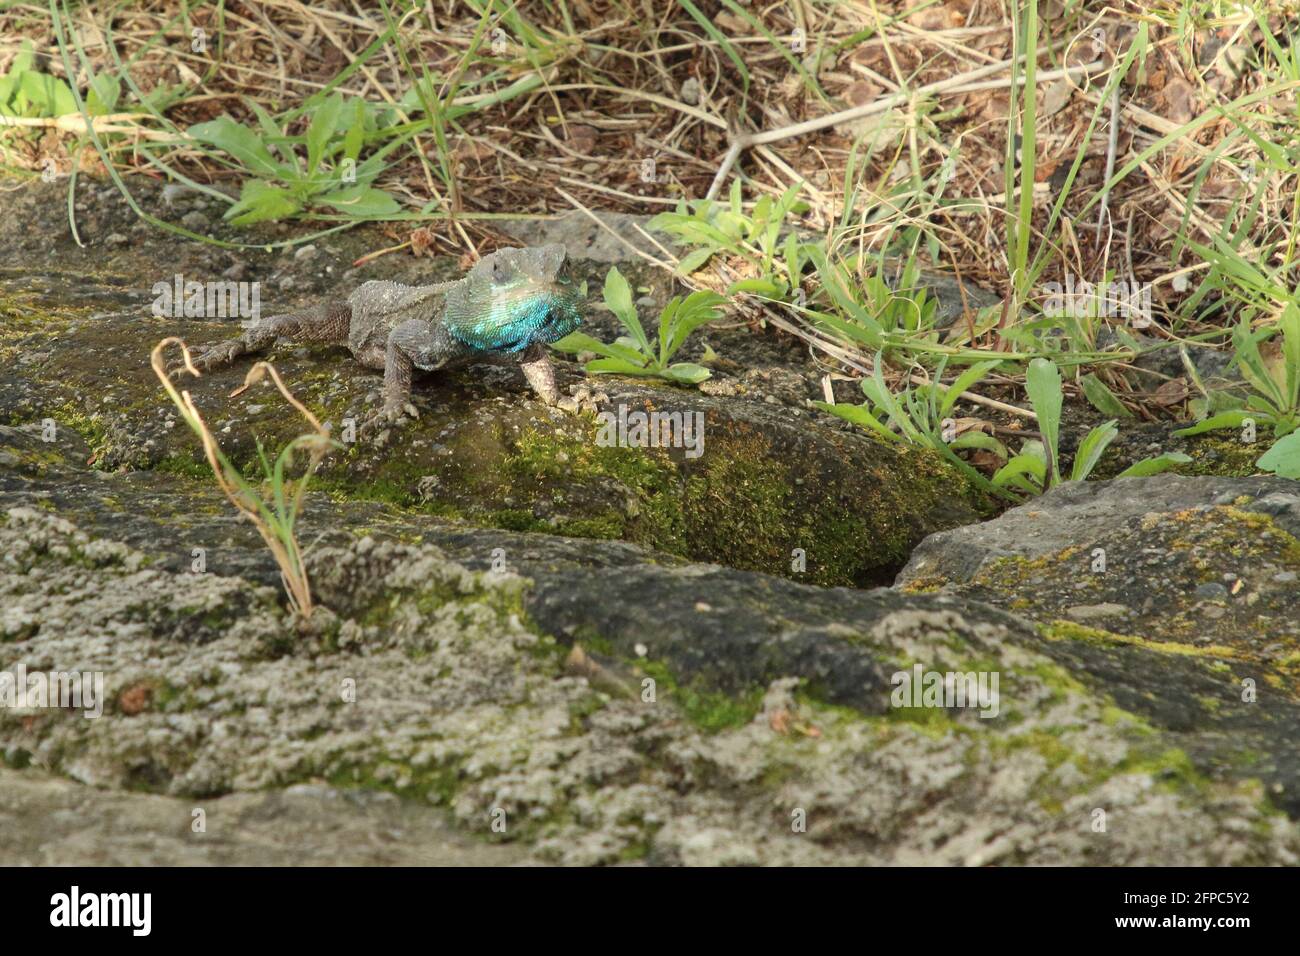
(275, 522)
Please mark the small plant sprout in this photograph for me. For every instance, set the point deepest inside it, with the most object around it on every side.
(283, 185)
(637, 354)
(275, 519)
(1274, 401)
(1038, 467)
(919, 416)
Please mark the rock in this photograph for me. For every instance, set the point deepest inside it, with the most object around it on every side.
(1075, 513)
(48, 821)
(445, 686)
(754, 486)
(1091, 612)
(1214, 663)
(1212, 590)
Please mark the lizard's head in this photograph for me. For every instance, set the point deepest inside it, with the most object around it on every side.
(515, 297)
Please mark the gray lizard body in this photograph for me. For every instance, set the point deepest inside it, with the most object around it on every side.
(508, 307)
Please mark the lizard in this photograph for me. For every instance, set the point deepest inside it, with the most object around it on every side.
(508, 307)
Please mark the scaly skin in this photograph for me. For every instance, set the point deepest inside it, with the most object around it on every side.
(508, 307)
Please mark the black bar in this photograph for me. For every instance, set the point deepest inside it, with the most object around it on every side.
(213, 906)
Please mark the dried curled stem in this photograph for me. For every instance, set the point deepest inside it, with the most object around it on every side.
(274, 523)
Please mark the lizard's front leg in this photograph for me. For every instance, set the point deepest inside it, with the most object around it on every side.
(540, 373)
(407, 342)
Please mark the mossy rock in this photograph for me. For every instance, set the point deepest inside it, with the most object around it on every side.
(1178, 596)
(771, 488)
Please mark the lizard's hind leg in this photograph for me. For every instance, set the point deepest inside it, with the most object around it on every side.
(326, 323)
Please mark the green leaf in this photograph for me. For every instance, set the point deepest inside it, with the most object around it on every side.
(858, 415)
(23, 61)
(1252, 366)
(980, 440)
(768, 287)
(241, 143)
(619, 367)
(103, 94)
(679, 320)
(1014, 474)
(362, 201)
(354, 138)
(49, 94)
(1154, 466)
(1043, 383)
(271, 130)
(694, 260)
(1290, 325)
(964, 382)
(1091, 449)
(1283, 459)
(687, 372)
(881, 398)
(1213, 423)
(260, 201)
(323, 123)
(618, 296)
(1102, 398)
(576, 342)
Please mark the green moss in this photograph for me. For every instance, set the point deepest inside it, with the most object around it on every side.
(933, 721)
(1221, 456)
(185, 466)
(25, 315)
(741, 490)
(90, 426)
(1070, 631)
(711, 711)
(437, 785)
(16, 759)
(170, 698)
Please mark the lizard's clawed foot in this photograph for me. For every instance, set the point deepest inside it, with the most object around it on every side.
(213, 357)
(392, 413)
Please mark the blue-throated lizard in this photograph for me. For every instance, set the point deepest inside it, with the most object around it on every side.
(508, 307)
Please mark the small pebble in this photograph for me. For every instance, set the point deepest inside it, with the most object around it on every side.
(1212, 591)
